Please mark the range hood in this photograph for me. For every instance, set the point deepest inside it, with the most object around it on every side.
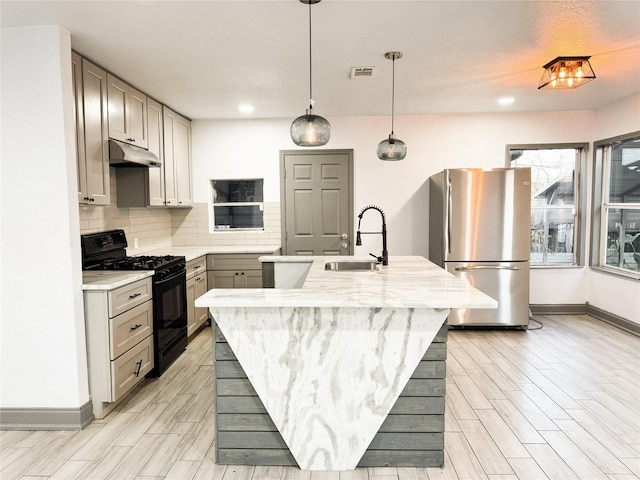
(124, 155)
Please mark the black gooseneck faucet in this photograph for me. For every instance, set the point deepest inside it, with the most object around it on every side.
(384, 259)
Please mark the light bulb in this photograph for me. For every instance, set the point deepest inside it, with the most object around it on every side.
(309, 136)
(563, 71)
(390, 152)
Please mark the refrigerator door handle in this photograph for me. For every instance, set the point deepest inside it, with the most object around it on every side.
(448, 214)
(485, 267)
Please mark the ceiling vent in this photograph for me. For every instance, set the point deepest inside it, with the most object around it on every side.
(363, 72)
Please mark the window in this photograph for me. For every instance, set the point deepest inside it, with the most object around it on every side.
(555, 197)
(616, 235)
(237, 204)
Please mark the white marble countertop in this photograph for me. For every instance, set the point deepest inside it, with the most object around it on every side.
(109, 280)
(407, 282)
(195, 251)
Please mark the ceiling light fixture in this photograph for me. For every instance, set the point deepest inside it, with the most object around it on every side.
(566, 72)
(392, 148)
(310, 130)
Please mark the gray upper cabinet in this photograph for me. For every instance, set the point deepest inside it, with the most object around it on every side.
(78, 108)
(177, 159)
(90, 87)
(156, 145)
(170, 184)
(144, 186)
(127, 113)
(106, 107)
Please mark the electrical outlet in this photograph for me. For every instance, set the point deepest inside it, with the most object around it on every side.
(135, 243)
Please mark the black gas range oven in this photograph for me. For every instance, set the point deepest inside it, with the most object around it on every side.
(106, 251)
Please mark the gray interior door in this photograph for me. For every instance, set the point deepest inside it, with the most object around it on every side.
(317, 202)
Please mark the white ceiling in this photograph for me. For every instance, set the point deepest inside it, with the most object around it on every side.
(204, 58)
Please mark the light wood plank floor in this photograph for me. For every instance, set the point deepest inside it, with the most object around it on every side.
(561, 402)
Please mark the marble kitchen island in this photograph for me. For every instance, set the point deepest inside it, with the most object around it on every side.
(319, 376)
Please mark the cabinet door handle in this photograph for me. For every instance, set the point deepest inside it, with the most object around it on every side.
(139, 365)
(135, 327)
(131, 140)
(131, 297)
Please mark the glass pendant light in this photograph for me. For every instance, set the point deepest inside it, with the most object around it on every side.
(310, 130)
(392, 148)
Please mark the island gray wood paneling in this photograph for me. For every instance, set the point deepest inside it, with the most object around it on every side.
(412, 435)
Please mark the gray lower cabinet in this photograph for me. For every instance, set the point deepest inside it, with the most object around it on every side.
(234, 270)
(412, 435)
(119, 327)
(196, 286)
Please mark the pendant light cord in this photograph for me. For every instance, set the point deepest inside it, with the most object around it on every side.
(393, 91)
(310, 72)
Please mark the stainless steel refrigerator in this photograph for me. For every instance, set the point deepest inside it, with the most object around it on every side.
(479, 223)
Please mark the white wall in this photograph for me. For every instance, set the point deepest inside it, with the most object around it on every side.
(42, 326)
(223, 149)
(240, 148)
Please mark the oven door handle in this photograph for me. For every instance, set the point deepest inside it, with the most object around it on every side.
(171, 277)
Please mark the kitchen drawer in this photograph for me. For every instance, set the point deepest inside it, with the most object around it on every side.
(131, 327)
(131, 367)
(126, 297)
(245, 261)
(197, 265)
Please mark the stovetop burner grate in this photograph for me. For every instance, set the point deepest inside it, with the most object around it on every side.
(107, 251)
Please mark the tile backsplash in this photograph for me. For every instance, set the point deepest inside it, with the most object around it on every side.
(191, 227)
(158, 227)
(151, 226)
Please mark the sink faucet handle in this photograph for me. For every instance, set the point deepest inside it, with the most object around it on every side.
(379, 259)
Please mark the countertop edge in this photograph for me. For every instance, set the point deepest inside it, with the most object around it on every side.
(196, 251)
(110, 280)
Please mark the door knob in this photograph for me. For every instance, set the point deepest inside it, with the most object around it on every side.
(345, 236)
(344, 244)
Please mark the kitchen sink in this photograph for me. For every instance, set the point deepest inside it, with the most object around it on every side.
(351, 266)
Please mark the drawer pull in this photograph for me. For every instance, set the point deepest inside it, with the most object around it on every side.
(135, 327)
(137, 372)
(134, 295)
(197, 266)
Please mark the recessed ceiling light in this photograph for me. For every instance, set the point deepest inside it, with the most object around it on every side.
(246, 108)
(506, 101)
